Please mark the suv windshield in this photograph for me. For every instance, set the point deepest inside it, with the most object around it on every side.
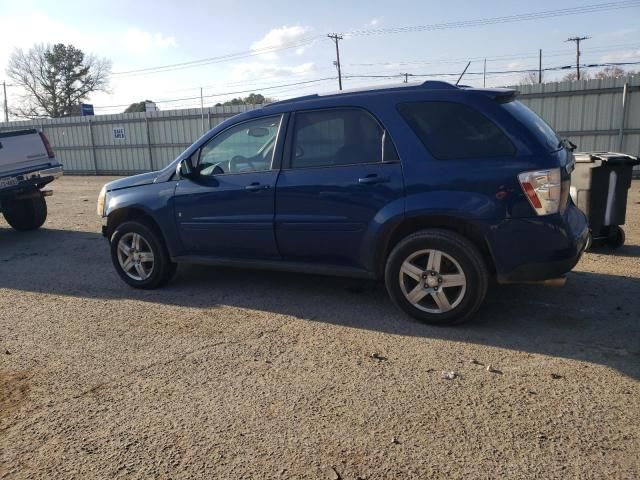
(541, 129)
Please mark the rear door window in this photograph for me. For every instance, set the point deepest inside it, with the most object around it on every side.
(452, 130)
(338, 136)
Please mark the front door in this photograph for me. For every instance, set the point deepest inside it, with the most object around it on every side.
(342, 173)
(228, 210)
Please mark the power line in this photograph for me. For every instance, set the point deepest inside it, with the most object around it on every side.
(230, 93)
(219, 59)
(389, 76)
(527, 70)
(522, 55)
(598, 7)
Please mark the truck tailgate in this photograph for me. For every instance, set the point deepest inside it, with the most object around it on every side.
(21, 150)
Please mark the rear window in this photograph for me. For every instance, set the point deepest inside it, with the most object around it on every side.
(452, 130)
(541, 129)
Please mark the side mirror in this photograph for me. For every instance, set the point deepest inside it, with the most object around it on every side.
(185, 169)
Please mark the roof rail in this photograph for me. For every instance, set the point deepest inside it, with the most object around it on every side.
(294, 99)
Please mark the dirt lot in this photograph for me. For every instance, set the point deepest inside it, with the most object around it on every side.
(236, 374)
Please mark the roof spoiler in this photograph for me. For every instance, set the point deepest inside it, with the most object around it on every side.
(501, 95)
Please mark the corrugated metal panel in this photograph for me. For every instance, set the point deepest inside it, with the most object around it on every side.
(88, 144)
(587, 112)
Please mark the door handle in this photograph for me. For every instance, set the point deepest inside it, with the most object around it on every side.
(373, 179)
(255, 186)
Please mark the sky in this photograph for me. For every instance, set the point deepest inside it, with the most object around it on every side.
(136, 35)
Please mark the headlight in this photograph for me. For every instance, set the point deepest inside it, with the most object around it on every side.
(101, 201)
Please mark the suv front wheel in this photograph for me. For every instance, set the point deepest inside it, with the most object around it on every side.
(437, 277)
(139, 255)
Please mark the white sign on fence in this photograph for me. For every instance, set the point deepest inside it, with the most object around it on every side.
(118, 132)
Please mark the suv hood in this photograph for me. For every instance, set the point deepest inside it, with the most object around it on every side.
(134, 181)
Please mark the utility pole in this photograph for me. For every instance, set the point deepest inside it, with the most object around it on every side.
(540, 66)
(202, 108)
(406, 77)
(336, 38)
(577, 40)
(484, 74)
(6, 109)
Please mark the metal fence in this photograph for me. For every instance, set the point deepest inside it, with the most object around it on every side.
(596, 115)
(126, 143)
(593, 114)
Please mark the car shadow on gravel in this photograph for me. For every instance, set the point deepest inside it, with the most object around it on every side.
(624, 251)
(594, 318)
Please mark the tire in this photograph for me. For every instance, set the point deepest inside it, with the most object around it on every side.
(464, 293)
(151, 271)
(616, 238)
(26, 214)
(589, 243)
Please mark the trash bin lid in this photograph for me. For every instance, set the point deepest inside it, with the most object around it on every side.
(613, 158)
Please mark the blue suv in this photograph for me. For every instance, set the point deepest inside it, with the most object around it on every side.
(433, 187)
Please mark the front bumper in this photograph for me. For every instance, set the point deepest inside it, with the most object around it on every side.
(538, 248)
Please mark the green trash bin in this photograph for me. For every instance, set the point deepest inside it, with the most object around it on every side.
(599, 186)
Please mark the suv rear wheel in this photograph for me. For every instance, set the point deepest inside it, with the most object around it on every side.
(437, 277)
(139, 255)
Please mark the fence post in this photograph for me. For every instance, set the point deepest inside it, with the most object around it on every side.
(93, 148)
(146, 123)
(625, 91)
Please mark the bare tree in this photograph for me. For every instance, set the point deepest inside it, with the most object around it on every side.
(530, 78)
(56, 79)
(573, 76)
(613, 71)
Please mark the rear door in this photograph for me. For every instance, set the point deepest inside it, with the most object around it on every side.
(341, 170)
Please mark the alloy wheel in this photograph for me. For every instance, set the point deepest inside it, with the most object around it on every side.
(135, 256)
(432, 281)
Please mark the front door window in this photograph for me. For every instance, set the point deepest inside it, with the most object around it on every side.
(244, 148)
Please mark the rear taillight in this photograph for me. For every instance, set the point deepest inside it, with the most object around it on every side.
(543, 189)
(47, 145)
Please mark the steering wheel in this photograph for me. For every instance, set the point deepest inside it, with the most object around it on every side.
(233, 163)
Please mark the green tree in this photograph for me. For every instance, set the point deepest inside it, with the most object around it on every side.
(138, 107)
(252, 99)
(56, 79)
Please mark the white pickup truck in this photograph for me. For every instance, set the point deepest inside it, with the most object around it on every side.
(27, 164)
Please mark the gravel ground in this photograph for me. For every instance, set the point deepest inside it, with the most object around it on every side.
(242, 374)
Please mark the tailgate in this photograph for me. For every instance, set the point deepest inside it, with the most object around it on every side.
(21, 150)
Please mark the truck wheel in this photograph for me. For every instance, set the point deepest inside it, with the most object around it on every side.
(26, 214)
(140, 256)
(616, 238)
(437, 277)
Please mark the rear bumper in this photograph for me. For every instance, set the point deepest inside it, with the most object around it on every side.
(539, 248)
(52, 173)
(39, 178)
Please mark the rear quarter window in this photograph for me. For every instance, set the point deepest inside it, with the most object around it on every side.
(534, 123)
(452, 130)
